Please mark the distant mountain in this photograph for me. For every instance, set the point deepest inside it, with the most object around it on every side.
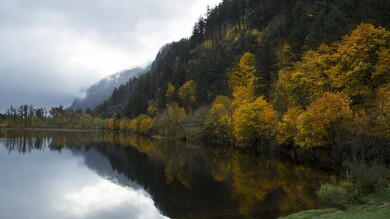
(102, 90)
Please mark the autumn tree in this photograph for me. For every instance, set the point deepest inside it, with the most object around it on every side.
(170, 93)
(287, 128)
(324, 121)
(361, 62)
(141, 124)
(114, 122)
(254, 121)
(187, 94)
(242, 80)
(169, 123)
(306, 79)
(123, 124)
(218, 123)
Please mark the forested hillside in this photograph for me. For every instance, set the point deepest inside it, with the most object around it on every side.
(312, 74)
(266, 28)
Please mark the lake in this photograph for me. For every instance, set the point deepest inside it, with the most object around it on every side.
(110, 175)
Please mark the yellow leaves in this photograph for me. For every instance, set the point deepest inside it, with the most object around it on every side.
(219, 118)
(250, 118)
(242, 80)
(247, 61)
(244, 73)
(187, 93)
(287, 128)
(361, 61)
(170, 92)
(243, 94)
(123, 124)
(141, 124)
(169, 122)
(253, 120)
(382, 68)
(152, 108)
(356, 66)
(146, 124)
(323, 119)
(306, 80)
(134, 125)
(113, 123)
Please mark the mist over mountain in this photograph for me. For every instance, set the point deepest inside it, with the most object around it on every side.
(102, 90)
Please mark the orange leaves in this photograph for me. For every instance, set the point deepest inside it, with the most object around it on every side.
(249, 117)
(356, 66)
(141, 124)
(323, 119)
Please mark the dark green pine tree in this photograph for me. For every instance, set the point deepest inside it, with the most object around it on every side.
(329, 25)
(265, 68)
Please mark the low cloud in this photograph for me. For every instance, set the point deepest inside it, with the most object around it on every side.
(52, 50)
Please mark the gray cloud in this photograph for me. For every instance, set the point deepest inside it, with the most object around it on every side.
(51, 50)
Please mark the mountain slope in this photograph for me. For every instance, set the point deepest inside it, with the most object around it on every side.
(277, 32)
(101, 91)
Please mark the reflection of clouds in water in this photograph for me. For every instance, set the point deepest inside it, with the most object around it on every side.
(105, 199)
(47, 184)
(101, 165)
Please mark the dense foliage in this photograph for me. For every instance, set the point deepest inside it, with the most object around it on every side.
(304, 73)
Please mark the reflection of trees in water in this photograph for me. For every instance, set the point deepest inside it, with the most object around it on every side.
(187, 179)
(26, 141)
(259, 181)
(279, 185)
(177, 159)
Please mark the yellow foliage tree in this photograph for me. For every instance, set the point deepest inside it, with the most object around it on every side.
(361, 62)
(169, 123)
(187, 94)
(134, 125)
(307, 79)
(113, 122)
(373, 122)
(124, 123)
(219, 118)
(287, 128)
(146, 124)
(152, 108)
(170, 94)
(322, 124)
(242, 79)
(141, 124)
(357, 65)
(254, 120)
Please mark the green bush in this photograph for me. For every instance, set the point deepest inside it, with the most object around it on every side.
(333, 194)
(368, 178)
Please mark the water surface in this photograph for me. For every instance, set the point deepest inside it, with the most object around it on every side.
(107, 175)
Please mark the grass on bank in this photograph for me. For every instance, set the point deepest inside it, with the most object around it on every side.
(374, 206)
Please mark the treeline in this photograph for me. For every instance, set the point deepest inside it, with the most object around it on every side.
(26, 116)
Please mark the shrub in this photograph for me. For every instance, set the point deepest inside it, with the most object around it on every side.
(368, 178)
(333, 194)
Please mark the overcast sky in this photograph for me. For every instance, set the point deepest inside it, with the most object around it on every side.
(50, 51)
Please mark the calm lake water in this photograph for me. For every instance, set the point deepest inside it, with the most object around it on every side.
(88, 175)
